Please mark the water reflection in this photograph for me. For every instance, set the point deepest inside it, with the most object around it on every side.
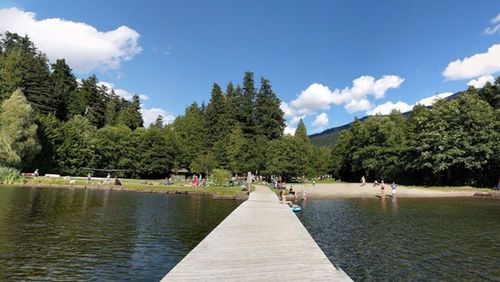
(65, 234)
(408, 239)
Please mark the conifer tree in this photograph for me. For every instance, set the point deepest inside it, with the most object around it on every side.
(130, 115)
(232, 104)
(23, 66)
(246, 107)
(268, 115)
(113, 107)
(216, 116)
(190, 129)
(158, 123)
(94, 100)
(64, 87)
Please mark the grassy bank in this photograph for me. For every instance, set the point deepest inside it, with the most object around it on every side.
(138, 185)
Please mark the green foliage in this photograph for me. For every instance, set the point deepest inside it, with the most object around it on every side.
(246, 106)
(87, 125)
(130, 115)
(191, 126)
(156, 151)
(269, 120)
(76, 150)
(216, 116)
(284, 158)
(94, 101)
(455, 142)
(221, 177)
(9, 175)
(234, 150)
(18, 142)
(65, 86)
(23, 66)
(204, 163)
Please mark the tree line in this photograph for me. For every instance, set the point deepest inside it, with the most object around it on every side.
(51, 121)
(454, 142)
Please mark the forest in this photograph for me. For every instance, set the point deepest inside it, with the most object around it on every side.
(51, 121)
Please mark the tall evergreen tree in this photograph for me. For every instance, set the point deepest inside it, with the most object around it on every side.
(232, 104)
(130, 115)
(301, 133)
(113, 107)
(246, 106)
(24, 67)
(216, 116)
(94, 100)
(64, 87)
(190, 130)
(268, 115)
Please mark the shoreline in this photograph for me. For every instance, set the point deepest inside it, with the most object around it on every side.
(216, 196)
(322, 191)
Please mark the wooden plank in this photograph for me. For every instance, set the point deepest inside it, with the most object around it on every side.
(262, 240)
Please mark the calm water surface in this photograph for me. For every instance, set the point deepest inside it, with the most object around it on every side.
(69, 235)
(409, 239)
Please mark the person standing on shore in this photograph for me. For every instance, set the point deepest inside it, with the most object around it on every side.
(393, 187)
(363, 181)
(382, 189)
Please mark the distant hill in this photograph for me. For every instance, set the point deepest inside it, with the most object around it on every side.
(329, 136)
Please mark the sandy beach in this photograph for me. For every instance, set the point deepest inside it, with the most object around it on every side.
(355, 190)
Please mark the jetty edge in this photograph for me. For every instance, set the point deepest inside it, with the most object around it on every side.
(261, 240)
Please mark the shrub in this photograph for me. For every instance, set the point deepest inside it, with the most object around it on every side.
(221, 177)
(9, 175)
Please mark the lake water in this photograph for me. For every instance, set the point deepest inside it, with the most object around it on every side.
(63, 234)
(409, 239)
(70, 235)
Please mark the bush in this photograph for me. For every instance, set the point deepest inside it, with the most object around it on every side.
(9, 175)
(221, 177)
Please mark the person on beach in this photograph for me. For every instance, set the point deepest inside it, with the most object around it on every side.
(363, 181)
(283, 199)
(375, 183)
(117, 181)
(382, 189)
(35, 174)
(393, 187)
(108, 177)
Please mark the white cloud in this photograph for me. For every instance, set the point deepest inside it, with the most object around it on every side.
(475, 66)
(495, 26)
(428, 101)
(319, 97)
(290, 130)
(321, 120)
(83, 46)
(386, 108)
(122, 92)
(358, 105)
(149, 116)
(295, 120)
(385, 83)
(287, 110)
(315, 97)
(481, 81)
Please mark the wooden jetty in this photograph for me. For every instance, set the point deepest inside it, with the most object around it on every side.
(261, 240)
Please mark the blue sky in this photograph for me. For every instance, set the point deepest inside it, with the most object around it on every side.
(172, 51)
